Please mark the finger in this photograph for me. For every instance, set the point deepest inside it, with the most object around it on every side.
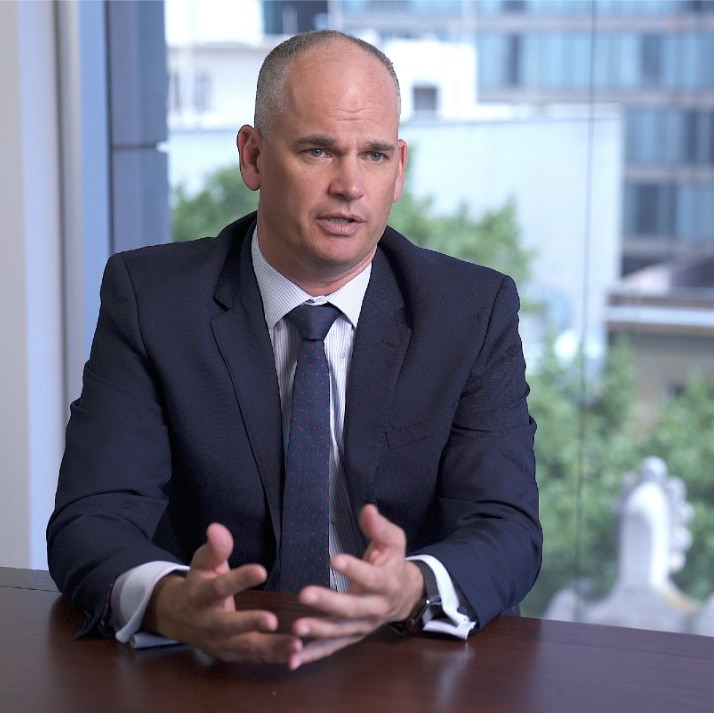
(206, 592)
(255, 647)
(319, 649)
(361, 606)
(364, 575)
(326, 601)
(219, 625)
(331, 628)
(269, 648)
(381, 532)
(214, 554)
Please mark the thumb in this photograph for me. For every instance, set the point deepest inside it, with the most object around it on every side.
(380, 531)
(214, 554)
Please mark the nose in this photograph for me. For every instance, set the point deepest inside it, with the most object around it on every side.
(348, 179)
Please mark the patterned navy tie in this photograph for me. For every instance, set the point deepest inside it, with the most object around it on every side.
(306, 496)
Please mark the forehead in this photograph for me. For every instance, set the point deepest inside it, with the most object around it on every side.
(339, 77)
(339, 51)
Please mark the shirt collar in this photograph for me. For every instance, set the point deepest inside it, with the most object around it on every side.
(280, 295)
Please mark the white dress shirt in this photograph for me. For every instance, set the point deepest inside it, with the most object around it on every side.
(132, 590)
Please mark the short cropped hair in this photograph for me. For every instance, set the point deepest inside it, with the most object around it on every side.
(269, 97)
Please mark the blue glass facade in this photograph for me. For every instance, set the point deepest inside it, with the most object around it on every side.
(616, 60)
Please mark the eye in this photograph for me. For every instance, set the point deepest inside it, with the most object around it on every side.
(377, 156)
(316, 153)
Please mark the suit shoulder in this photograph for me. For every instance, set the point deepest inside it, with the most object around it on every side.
(437, 272)
(450, 299)
(183, 262)
(170, 254)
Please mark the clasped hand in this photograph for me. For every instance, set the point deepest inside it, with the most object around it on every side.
(199, 609)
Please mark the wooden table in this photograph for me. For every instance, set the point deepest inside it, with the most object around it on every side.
(515, 664)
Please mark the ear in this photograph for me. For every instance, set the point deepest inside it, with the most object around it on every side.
(249, 142)
(402, 155)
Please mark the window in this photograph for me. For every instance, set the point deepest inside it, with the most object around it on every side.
(202, 92)
(514, 69)
(695, 212)
(670, 137)
(175, 103)
(651, 60)
(650, 210)
(492, 62)
(426, 100)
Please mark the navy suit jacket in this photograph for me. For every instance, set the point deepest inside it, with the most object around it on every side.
(179, 425)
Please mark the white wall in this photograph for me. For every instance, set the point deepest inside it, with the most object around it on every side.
(450, 67)
(190, 21)
(31, 399)
(565, 174)
(233, 72)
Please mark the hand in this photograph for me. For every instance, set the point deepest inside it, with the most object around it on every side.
(384, 587)
(199, 609)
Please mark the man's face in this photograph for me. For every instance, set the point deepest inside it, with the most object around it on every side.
(329, 168)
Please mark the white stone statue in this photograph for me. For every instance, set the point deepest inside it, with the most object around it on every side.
(653, 539)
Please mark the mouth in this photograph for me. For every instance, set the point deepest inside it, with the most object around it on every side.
(343, 219)
(341, 225)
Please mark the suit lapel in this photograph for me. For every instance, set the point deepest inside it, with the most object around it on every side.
(244, 343)
(380, 345)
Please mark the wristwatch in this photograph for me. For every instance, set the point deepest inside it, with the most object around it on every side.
(428, 607)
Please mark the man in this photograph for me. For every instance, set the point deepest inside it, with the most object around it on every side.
(176, 448)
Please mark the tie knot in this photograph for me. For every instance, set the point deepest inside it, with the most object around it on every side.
(313, 321)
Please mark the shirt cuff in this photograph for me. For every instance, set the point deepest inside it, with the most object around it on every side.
(130, 597)
(454, 622)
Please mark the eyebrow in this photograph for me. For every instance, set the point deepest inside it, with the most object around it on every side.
(327, 142)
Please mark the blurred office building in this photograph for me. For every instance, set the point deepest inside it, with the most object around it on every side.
(654, 58)
(462, 153)
(595, 116)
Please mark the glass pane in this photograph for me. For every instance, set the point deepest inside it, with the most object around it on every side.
(595, 195)
(695, 212)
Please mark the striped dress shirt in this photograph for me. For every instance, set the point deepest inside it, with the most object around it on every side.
(280, 296)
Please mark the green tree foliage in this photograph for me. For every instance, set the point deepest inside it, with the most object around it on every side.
(684, 438)
(584, 445)
(493, 239)
(223, 198)
(586, 442)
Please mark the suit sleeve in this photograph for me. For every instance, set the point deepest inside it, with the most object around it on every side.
(110, 494)
(488, 498)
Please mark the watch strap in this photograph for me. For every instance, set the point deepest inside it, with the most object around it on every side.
(429, 605)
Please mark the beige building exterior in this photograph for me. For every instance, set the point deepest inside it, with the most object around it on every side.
(667, 311)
